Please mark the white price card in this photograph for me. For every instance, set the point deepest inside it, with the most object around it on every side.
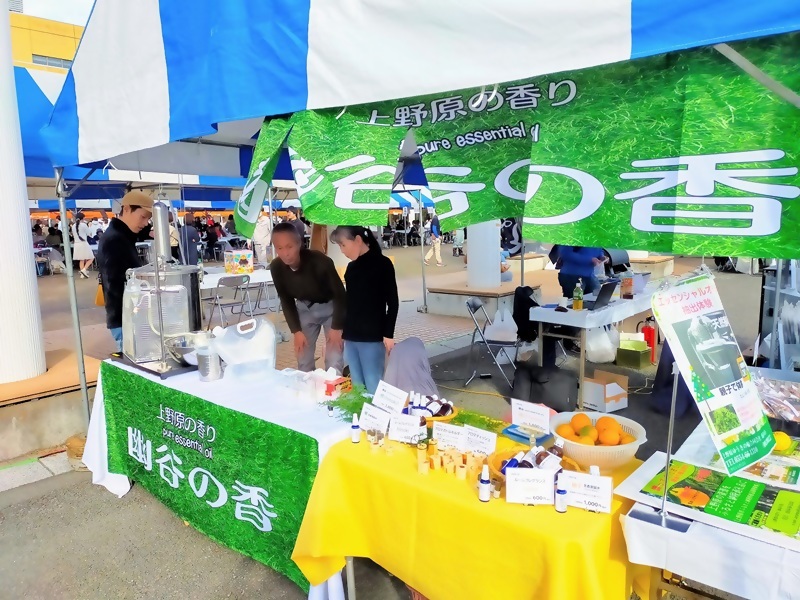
(480, 440)
(530, 415)
(374, 418)
(450, 436)
(529, 486)
(404, 428)
(389, 398)
(592, 492)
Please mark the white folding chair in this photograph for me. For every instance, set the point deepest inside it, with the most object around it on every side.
(231, 292)
(473, 306)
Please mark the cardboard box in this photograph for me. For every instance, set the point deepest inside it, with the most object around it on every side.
(239, 262)
(605, 392)
(633, 354)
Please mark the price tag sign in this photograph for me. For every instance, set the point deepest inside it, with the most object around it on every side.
(404, 428)
(389, 398)
(529, 486)
(450, 436)
(373, 417)
(528, 414)
(480, 440)
(592, 492)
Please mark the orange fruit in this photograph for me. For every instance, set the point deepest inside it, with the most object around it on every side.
(589, 432)
(587, 441)
(565, 430)
(609, 437)
(626, 438)
(607, 423)
(579, 421)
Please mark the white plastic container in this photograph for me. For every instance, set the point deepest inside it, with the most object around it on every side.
(248, 348)
(607, 458)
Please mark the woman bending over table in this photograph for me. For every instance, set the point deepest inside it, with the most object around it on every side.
(372, 305)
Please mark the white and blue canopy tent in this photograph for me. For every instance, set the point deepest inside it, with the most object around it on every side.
(168, 86)
(165, 86)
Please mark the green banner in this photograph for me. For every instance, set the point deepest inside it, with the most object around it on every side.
(683, 153)
(242, 481)
(255, 191)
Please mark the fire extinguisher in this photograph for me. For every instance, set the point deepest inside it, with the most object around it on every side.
(649, 331)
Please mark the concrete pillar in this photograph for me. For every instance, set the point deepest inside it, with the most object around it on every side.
(483, 255)
(334, 252)
(21, 343)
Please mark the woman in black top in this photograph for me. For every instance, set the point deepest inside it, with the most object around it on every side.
(372, 305)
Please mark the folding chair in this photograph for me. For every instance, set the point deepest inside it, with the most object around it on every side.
(231, 292)
(263, 291)
(473, 306)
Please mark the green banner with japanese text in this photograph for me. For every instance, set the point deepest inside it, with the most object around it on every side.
(683, 153)
(242, 481)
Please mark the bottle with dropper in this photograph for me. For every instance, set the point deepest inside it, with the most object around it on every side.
(484, 485)
(512, 463)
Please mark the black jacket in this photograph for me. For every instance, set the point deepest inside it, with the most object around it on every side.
(116, 253)
(372, 301)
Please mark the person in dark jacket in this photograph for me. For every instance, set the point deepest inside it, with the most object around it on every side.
(312, 297)
(372, 305)
(117, 253)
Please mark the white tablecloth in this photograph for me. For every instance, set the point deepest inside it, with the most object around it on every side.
(244, 396)
(211, 279)
(715, 557)
(618, 310)
(722, 559)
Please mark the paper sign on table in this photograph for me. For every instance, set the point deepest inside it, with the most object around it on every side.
(450, 436)
(373, 417)
(530, 415)
(480, 440)
(389, 398)
(529, 486)
(592, 492)
(404, 428)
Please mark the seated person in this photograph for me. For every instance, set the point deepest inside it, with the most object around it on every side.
(53, 238)
(409, 369)
(38, 238)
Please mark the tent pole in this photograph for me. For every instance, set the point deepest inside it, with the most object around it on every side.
(73, 296)
(424, 307)
(271, 224)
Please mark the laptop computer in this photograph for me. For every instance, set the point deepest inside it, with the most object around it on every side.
(603, 296)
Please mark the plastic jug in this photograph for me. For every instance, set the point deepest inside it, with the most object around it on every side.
(247, 348)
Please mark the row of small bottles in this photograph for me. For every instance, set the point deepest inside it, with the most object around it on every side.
(537, 457)
(428, 406)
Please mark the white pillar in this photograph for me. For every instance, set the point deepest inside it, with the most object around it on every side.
(21, 343)
(483, 255)
(334, 252)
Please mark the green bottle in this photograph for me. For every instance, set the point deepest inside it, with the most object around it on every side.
(577, 296)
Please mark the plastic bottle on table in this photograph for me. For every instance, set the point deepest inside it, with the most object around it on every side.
(577, 296)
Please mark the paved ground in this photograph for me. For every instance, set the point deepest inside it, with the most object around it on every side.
(65, 538)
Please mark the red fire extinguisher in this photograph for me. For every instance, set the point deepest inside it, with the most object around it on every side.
(649, 331)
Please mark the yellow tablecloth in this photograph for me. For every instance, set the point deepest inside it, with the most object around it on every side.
(434, 534)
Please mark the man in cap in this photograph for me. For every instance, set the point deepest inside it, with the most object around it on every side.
(117, 253)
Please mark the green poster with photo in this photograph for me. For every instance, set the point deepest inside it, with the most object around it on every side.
(682, 153)
(691, 315)
(733, 499)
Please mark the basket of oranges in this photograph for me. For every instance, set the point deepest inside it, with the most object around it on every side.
(593, 438)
